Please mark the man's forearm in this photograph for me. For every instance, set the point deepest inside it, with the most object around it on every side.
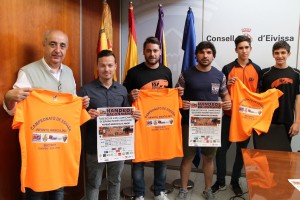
(9, 102)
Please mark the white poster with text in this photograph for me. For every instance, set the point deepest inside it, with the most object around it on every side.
(115, 131)
(205, 124)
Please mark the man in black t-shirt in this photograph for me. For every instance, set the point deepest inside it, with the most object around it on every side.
(149, 75)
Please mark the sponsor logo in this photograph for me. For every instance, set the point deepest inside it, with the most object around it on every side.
(215, 88)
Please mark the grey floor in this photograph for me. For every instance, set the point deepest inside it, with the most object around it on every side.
(194, 194)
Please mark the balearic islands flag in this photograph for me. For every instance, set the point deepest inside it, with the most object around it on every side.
(161, 36)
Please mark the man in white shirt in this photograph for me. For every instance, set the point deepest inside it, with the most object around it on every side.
(47, 73)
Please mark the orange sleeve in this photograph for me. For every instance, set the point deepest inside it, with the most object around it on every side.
(18, 117)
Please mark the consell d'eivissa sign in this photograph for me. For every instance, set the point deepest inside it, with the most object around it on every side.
(265, 38)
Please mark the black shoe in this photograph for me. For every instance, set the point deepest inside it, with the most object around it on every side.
(217, 186)
(237, 189)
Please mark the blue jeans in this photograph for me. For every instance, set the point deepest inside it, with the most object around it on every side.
(94, 177)
(160, 169)
(221, 154)
(53, 195)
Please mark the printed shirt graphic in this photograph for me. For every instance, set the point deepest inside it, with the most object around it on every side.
(281, 81)
(158, 131)
(156, 84)
(50, 139)
(251, 111)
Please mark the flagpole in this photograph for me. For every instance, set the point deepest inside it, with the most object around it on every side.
(104, 193)
(131, 59)
(188, 40)
(128, 191)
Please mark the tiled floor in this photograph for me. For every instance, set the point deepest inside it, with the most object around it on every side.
(194, 194)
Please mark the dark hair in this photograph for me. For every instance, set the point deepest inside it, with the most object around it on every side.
(152, 40)
(206, 45)
(281, 44)
(242, 38)
(105, 53)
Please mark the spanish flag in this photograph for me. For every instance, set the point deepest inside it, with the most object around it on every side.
(132, 54)
(105, 37)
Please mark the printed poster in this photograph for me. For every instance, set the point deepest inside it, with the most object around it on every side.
(205, 124)
(115, 131)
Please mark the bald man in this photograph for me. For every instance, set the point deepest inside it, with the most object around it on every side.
(50, 74)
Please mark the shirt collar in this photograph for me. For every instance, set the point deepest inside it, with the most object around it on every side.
(238, 64)
(112, 85)
(49, 68)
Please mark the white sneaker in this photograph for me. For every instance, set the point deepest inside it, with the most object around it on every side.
(182, 194)
(139, 198)
(162, 196)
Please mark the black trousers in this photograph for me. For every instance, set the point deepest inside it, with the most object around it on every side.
(222, 151)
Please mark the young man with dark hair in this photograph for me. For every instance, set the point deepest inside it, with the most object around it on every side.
(202, 82)
(286, 79)
(103, 92)
(248, 72)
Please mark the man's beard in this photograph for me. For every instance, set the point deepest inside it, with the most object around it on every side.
(151, 62)
(206, 64)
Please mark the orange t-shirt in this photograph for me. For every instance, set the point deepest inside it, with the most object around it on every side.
(251, 110)
(50, 139)
(158, 132)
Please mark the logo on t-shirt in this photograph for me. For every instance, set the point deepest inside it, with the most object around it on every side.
(156, 84)
(215, 88)
(49, 138)
(281, 81)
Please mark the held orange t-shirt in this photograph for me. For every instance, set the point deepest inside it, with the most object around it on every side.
(50, 139)
(251, 110)
(158, 132)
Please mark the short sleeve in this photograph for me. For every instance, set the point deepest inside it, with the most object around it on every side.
(84, 116)
(19, 115)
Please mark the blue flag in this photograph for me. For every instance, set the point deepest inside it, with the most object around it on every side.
(189, 42)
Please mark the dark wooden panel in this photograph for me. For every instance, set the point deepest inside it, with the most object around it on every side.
(23, 23)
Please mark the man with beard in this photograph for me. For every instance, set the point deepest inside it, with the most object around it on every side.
(149, 75)
(202, 82)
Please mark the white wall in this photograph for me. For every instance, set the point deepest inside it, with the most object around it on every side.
(263, 21)
(220, 19)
